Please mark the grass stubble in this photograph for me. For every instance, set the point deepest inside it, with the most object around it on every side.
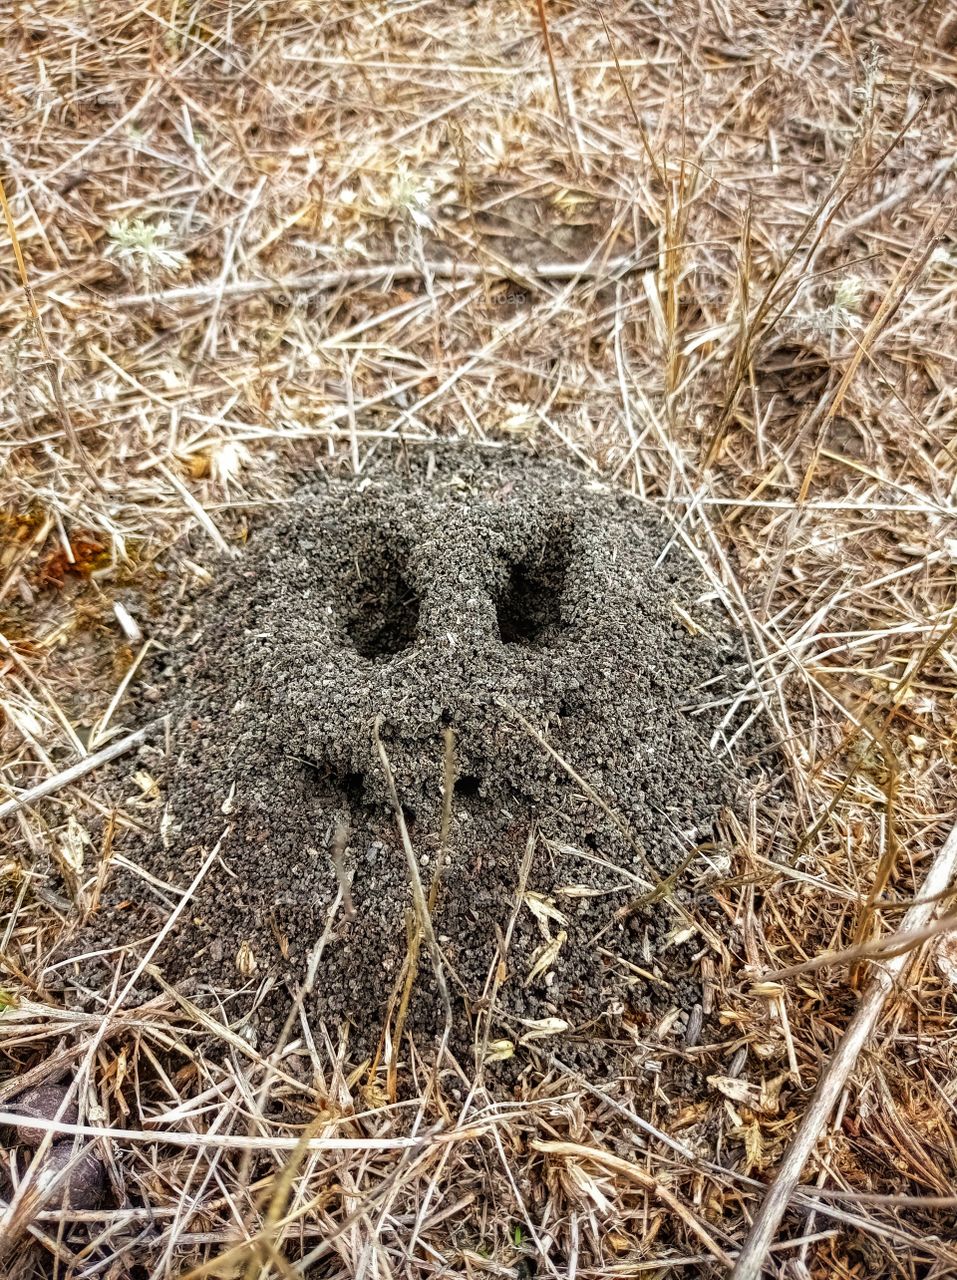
(706, 252)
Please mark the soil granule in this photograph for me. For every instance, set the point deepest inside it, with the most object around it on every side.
(506, 600)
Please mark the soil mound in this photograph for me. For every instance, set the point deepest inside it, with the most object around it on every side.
(548, 624)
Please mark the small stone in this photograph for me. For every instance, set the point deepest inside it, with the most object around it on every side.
(83, 1186)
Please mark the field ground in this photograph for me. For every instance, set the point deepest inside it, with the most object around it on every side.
(705, 250)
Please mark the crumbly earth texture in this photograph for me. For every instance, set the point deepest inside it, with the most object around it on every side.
(562, 637)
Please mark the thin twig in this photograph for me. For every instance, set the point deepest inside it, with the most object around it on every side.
(80, 769)
(553, 69)
(418, 892)
(443, 269)
(238, 1141)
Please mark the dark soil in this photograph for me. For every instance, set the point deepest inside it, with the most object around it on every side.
(448, 590)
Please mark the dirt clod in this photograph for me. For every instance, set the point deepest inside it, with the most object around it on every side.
(42, 1103)
(83, 1186)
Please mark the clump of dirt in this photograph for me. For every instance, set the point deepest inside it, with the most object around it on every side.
(552, 626)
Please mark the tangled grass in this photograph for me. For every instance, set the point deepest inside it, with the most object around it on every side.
(708, 252)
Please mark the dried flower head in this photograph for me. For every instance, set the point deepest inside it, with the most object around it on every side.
(139, 244)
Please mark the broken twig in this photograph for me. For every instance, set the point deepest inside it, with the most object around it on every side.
(79, 770)
(381, 273)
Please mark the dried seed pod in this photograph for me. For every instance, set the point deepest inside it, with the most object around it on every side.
(83, 1186)
(43, 1102)
(246, 961)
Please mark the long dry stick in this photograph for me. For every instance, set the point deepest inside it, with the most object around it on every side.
(893, 944)
(752, 1258)
(318, 281)
(559, 100)
(243, 1141)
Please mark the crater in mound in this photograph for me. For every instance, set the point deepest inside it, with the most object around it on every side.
(516, 605)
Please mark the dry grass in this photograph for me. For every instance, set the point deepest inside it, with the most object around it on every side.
(258, 233)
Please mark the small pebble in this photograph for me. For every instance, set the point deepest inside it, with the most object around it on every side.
(83, 1186)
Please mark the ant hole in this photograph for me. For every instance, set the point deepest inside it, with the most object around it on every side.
(529, 609)
(354, 787)
(334, 785)
(467, 785)
(381, 608)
